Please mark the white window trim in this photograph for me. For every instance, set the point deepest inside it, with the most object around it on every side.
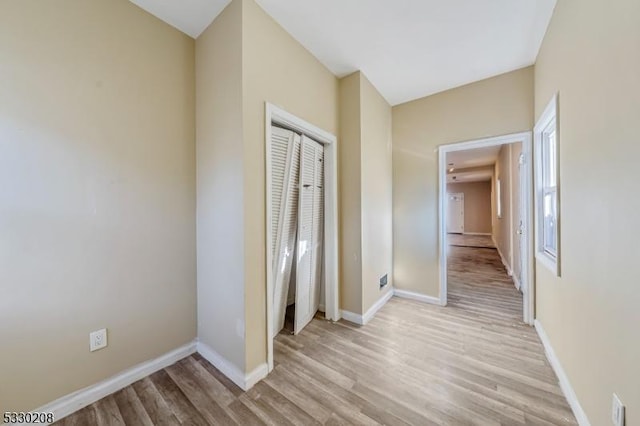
(547, 118)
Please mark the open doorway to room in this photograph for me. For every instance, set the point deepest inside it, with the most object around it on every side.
(486, 218)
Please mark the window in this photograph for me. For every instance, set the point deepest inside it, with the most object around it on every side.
(547, 200)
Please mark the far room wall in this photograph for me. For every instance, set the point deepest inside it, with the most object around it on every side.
(477, 205)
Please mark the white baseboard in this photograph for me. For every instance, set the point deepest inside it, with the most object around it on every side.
(565, 385)
(352, 317)
(258, 373)
(364, 319)
(504, 261)
(405, 294)
(516, 281)
(235, 374)
(75, 401)
(477, 233)
(377, 306)
(321, 308)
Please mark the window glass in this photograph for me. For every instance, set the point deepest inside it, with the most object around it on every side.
(546, 178)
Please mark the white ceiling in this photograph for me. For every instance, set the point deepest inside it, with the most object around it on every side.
(473, 157)
(476, 176)
(408, 49)
(189, 16)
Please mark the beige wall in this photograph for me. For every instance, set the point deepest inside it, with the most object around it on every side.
(477, 205)
(496, 106)
(276, 69)
(220, 183)
(590, 57)
(502, 226)
(366, 193)
(376, 187)
(97, 205)
(415, 221)
(349, 163)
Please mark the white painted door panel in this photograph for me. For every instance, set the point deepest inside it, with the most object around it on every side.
(285, 154)
(310, 220)
(521, 223)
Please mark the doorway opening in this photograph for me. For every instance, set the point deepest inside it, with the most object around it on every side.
(486, 217)
(302, 220)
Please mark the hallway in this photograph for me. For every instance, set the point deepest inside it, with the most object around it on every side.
(471, 363)
(479, 284)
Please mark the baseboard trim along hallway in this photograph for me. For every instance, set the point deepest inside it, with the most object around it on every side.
(565, 384)
(405, 294)
(364, 319)
(75, 401)
(69, 404)
(244, 381)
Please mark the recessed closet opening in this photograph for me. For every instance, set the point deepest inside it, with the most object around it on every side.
(301, 198)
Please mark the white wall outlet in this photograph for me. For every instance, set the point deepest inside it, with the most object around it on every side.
(98, 340)
(617, 411)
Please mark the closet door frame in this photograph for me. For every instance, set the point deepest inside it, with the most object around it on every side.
(279, 117)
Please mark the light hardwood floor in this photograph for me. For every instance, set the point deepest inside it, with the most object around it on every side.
(470, 363)
(466, 240)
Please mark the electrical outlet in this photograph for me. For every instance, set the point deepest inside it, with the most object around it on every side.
(617, 411)
(97, 340)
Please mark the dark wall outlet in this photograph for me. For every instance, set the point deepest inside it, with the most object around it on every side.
(383, 280)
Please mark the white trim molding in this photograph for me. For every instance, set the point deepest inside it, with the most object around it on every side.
(478, 233)
(504, 262)
(68, 404)
(229, 369)
(424, 298)
(548, 118)
(563, 379)
(253, 377)
(516, 281)
(352, 317)
(371, 312)
(377, 306)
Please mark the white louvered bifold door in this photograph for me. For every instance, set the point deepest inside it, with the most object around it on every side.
(310, 232)
(285, 166)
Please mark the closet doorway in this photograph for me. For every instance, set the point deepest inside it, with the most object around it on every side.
(301, 227)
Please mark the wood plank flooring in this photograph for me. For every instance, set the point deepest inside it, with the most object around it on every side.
(471, 363)
(466, 240)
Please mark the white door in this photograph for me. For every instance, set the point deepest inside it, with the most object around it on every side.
(285, 160)
(523, 241)
(455, 213)
(310, 232)
(519, 248)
